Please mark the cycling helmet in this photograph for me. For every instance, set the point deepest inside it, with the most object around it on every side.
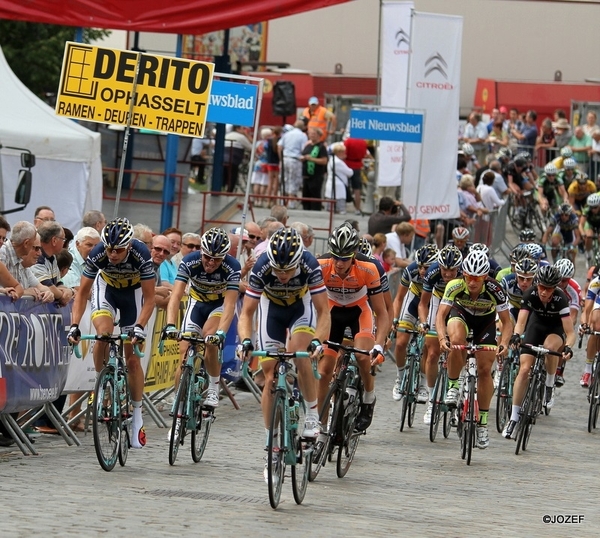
(565, 268)
(285, 249)
(426, 255)
(343, 241)
(550, 169)
(569, 164)
(476, 263)
(527, 234)
(566, 152)
(117, 233)
(535, 251)
(468, 149)
(450, 257)
(565, 209)
(520, 252)
(593, 200)
(504, 153)
(215, 243)
(460, 234)
(481, 247)
(526, 267)
(364, 247)
(526, 156)
(549, 276)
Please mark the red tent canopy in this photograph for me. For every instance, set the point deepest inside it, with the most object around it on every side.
(169, 16)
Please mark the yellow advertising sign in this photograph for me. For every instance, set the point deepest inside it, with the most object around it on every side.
(171, 94)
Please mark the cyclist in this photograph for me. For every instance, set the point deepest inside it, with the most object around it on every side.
(544, 316)
(520, 252)
(120, 276)
(286, 286)
(494, 265)
(355, 294)
(589, 224)
(528, 236)
(471, 159)
(213, 276)
(563, 228)
(460, 238)
(520, 178)
(517, 283)
(551, 189)
(579, 190)
(471, 303)
(438, 275)
(590, 319)
(570, 173)
(406, 315)
(572, 290)
(565, 153)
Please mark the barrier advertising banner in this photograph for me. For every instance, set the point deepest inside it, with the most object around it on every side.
(34, 355)
(395, 50)
(98, 84)
(434, 87)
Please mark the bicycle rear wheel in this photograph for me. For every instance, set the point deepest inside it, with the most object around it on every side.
(275, 450)
(437, 402)
(180, 417)
(106, 423)
(594, 399)
(503, 398)
(329, 413)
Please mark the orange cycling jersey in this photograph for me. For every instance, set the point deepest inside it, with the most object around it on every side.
(361, 282)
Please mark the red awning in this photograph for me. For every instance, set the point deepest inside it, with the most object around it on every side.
(169, 16)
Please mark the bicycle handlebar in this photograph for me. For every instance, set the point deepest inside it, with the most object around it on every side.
(473, 348)
(106, 338)
(541, 350)
(281, 355)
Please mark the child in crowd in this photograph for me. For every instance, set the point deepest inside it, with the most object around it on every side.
(389, 259)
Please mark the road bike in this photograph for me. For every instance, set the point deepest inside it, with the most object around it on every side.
(533, 402)
(409, 384)
(285, 446)
(111, 403)
(504, 393)
(594, 386)
(340, 411)
(527, 215)
(439, 408)
(468, 406)
(189, 412)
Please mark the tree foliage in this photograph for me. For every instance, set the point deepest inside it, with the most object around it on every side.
(35, 51)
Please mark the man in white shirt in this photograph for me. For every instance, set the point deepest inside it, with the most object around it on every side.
(290, 148)
(398, 239)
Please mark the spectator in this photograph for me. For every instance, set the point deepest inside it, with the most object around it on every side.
(306, 232)
(528, 136)
(379, 245)
(198, 159)
(168, 269)
(43, 214)
(314, 167)
(270, 228)
(498, 137)
(488, 195)
(94, 219)
(390, 212)
(85, 240)
(260, 174)
(272, 154)
(264, 225)
(338, 169)
(237, 142)
(562, 133)
(290, 147)
(316, 116)
(398, 240)
(468, 198)
(144, 234)
(546, 140)
(595, 156)
(476, 135)
(161, 249)
(590, 123)
(64, 259)
(581, 144)
(189, 243)
(4, 229)
(499, 184)
(253, 234)
(515, 127)
(280, 213)
(356, 152)
(388, 259)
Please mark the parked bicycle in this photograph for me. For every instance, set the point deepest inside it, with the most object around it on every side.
(532, 404)
(285, 446)
(189, 412)
(468, 407)
(111, 411)
(504, 393)
(340, 411)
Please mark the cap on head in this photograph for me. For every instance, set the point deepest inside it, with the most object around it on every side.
(313, 100)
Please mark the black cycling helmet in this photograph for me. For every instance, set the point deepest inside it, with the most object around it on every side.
(426, 255)
(343, 241)
(527, 234)
(117, 233)
(215, 243)
(548, 276)
(285, 249)
(364, 247)
(450, 257)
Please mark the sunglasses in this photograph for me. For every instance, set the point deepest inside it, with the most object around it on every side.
(278, 271)
(162, 250)
(211, 259)
(251, 236)
(546, 288)
(110, 250)
(191, 246)
(342, 258)
(472, 278)
(37, 249)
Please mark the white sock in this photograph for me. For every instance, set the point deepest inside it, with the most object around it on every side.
(515, 413)
(588, 367)
(430, 391)
(312, 410)
(213, 382)
(137, 413)
(369, 397)
(550, 380)
(400, 371)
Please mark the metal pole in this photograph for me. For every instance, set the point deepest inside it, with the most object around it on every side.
(126, 136)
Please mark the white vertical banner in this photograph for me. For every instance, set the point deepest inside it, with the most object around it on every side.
(434, 87)
(394, 52)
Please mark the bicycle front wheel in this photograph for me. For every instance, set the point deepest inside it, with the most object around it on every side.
(204, 420)
(275, 449)
(125, 441)
(347, 449)
(503, 398)
(106, 423)
(594, 399)
(437, 402)
(180, 415)
(471, 422)
(301, 469)
(329, 413)
(405, 387)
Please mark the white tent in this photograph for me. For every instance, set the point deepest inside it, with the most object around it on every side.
(68, 171)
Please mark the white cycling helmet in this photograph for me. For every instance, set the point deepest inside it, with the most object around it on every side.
(476, 263)
(565, 268)
(468, 149)
(460, 233)
(593, 200)
(550, 169)
(566, 152)
(570, 164)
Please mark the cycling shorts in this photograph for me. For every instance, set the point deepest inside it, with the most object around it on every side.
(434, 304)
(275, 321)
(587, 226)
(536, 332)
(483, 327)
(198, 312)
(358, 319)
(409, 313)
(122, 304)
